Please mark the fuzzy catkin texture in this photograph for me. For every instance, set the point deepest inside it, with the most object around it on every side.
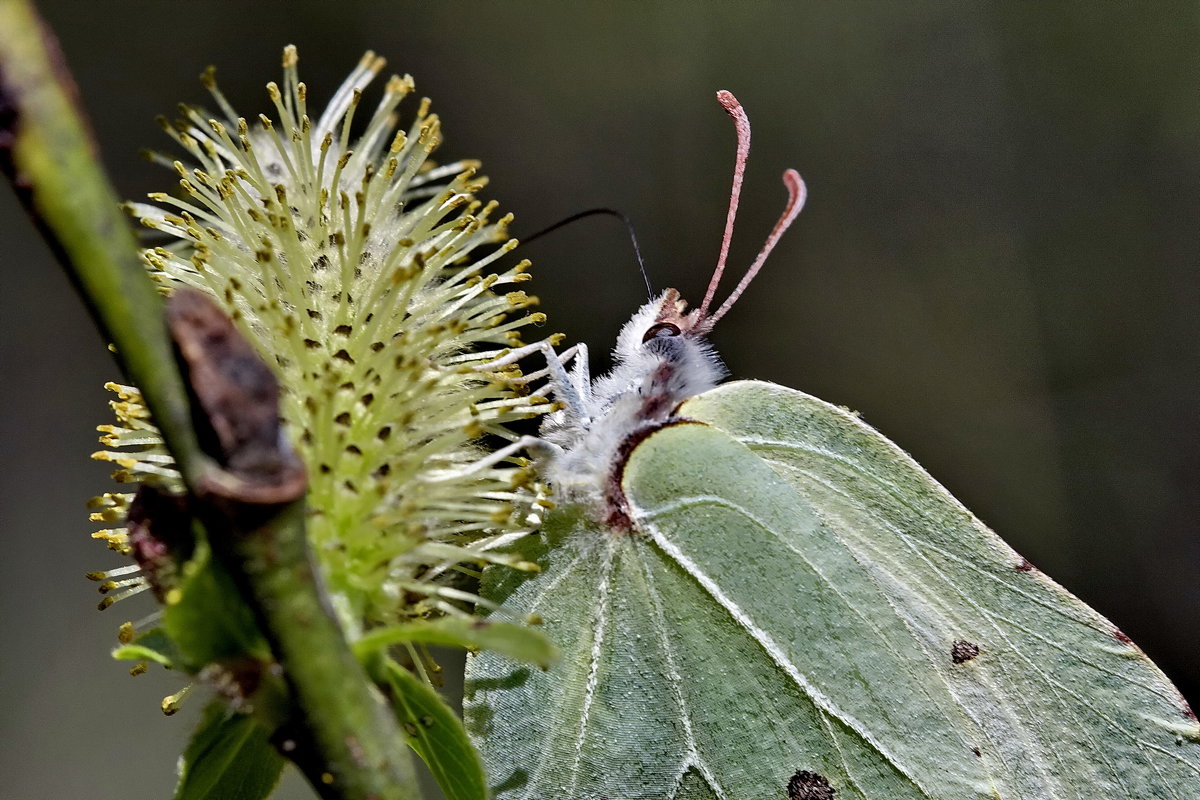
(370, 277)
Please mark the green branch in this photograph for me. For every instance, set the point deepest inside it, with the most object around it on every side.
(346, 740)
(52, 162)
(361, 751)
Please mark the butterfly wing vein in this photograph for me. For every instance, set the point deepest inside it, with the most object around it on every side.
(800, 595)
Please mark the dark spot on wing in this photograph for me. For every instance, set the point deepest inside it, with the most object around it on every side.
(805, 785)
(975, 750)
(1120, 636)
(1024, 566)
(962, 651)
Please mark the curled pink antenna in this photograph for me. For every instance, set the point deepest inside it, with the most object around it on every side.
(742, 124)
(797, 192)
(796, 196)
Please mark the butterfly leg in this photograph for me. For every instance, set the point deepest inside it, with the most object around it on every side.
(567, 388)
(565, 357)
(517, 353)
(581, 374)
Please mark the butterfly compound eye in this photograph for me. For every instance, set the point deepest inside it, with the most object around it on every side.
(661, 330)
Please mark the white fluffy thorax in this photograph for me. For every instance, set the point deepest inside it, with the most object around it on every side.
(661, 359)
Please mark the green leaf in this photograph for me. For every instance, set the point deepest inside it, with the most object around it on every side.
(800, 610)
(229, 757)
(434, 731)
(515, 641)
(153, 645)
(207, 619)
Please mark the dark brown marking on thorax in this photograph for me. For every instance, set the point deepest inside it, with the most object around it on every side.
(658, 403)
(614, 497)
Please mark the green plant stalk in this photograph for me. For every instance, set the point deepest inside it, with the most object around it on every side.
(53, 165)
(362, 752)
(48, 153)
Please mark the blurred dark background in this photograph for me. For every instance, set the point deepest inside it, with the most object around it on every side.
(998, 266)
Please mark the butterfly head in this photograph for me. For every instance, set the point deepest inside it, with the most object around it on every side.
(665, 325)
(662, 358)
(658, 323)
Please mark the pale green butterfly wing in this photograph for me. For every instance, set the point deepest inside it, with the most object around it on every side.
(801, 601)
(1068, 705)
(657, 694)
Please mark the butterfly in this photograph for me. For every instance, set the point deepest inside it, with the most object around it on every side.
(758, 596)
